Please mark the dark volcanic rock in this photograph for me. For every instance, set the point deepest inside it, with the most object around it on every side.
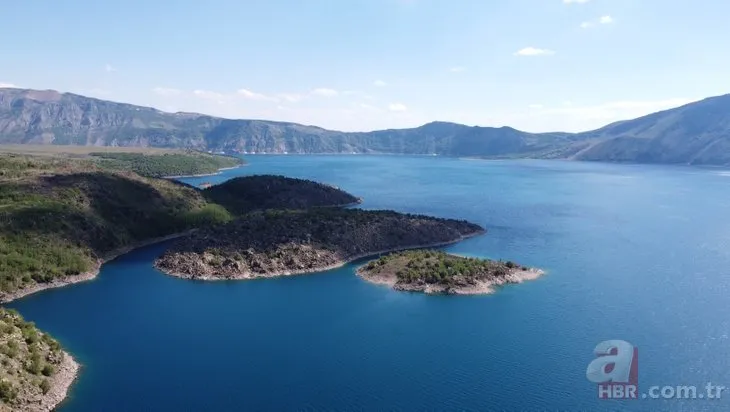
(286, 242)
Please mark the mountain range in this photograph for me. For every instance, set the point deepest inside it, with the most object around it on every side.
(697, 133)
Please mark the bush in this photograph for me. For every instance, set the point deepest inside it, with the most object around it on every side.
(45, 386)
(48, 370)
(8, 392)
(210, 214)
(36, 364)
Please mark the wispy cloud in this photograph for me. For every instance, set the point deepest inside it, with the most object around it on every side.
(166, 91)
(290, 97)
(380, 83)
(209, 95)
(324, 92)
(7, 86)
(109, 68)
(533, 51)
(535, 106)
(397, 107)
(250, 95)
(575, 1)
(596, 22)
(457, 69)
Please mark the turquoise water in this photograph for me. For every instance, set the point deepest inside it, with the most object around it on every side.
(639, 253)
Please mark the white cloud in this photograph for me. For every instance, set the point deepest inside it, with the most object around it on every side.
(109, 68)
(291, 97)
(596, 22)
(535, 106)
(166, 91)
(208, 95)
(533, 51)
(7, 86)
(248, 94)
(397, 107)
(457, 69)
(575, 1)
(380, 83)
(324, 92)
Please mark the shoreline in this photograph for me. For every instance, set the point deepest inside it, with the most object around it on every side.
(480, 288)
(65, 376)
(89, 275)
(205, 174)
(335, 265)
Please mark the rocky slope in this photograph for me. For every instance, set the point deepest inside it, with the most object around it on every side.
(432, 271)
(277, 243)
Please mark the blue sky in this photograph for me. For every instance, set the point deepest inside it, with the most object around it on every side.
(537, 65)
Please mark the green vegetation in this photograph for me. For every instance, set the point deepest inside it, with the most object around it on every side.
(275, 241)
(421, 269)
(167, 164)
(59, 216)
(29, 360)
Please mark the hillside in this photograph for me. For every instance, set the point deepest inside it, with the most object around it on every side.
(698, 133)
(144, 161)
(60, 217)
(245, 194)
(275, 243)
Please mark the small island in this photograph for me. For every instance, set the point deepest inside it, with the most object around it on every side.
(437, 272)
(277, 243)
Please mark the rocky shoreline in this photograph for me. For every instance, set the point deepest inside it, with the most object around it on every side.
(338, 264)
(438, 272)
(479, 288)
(86, 276)
(205, 174)
(65, 376)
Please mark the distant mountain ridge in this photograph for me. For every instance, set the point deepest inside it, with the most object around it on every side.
(697, 133)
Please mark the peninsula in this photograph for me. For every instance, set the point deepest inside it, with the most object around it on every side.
(437, 272)
(277, 243)
(61, 217)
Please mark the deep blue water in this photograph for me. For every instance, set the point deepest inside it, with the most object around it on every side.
(639, 253)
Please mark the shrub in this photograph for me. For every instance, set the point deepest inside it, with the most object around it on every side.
(8, 392)
(48, 370)
(45, 386)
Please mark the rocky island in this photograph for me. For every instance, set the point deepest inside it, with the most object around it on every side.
(433, 271)
(276, 243)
